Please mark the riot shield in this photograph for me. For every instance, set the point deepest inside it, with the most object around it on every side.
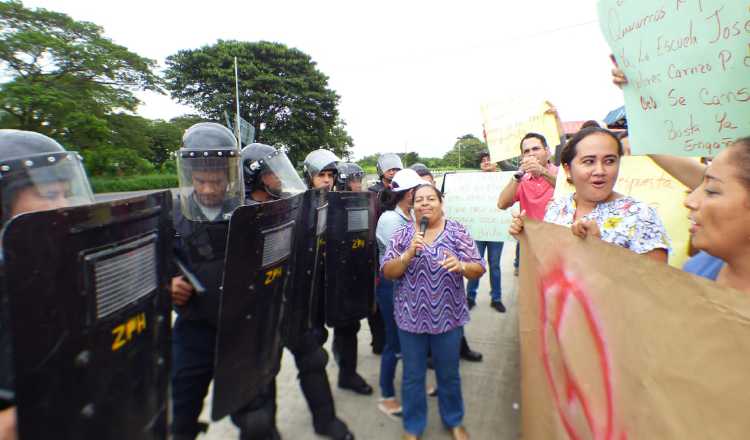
(350, 262)
(258, 262)
(90, 318)
(302, 295)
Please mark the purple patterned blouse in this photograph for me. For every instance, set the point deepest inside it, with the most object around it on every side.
(428, 298)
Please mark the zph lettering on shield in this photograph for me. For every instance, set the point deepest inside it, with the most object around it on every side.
(273, 275)
(577, 359)
(128, 330)
(358, 244)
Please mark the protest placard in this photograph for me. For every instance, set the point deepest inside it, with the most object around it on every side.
(688, 66)
(617, 346)
(642, 179)
(471, 199)
(508, 120)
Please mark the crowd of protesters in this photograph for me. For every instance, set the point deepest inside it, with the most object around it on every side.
(425, 257)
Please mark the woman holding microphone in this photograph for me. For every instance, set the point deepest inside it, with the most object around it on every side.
(428, 261)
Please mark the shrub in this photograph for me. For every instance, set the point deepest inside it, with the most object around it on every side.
(133, 183)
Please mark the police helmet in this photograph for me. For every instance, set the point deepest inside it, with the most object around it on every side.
(29, 159)
(261, 159)
(318, 161)
(388, 161)
(421, 169)
(212, 150)
(346, 173)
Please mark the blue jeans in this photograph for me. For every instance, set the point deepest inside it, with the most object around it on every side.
(445, 355)
(392, 347)
(494, 251)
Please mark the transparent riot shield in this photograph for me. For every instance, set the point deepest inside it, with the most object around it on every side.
(256, 274)
(90, 318)
(350, 257)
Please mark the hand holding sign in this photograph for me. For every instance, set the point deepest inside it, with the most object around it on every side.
(688, 68)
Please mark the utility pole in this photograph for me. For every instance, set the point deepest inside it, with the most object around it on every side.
(459, 152)
(237, 96)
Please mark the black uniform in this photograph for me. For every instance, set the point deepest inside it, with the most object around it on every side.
(311, 359)
(377, 327)
(201, 247)
(6, 355)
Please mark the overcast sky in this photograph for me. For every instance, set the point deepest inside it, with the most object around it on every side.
(411, 74)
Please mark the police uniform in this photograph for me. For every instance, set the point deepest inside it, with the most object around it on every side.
(200, 244)
(307, 347)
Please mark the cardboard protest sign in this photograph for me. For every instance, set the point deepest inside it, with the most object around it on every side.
(617, 346)
(688, 66)
(642, 179)
(471, 199)
(507, 121)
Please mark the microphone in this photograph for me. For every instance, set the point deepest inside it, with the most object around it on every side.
(423, 227)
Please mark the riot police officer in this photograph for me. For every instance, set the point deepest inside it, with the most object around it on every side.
(269, 176)
(350, 177)
(320, 172)
(210, 189)
(388, 164)
(36, 174)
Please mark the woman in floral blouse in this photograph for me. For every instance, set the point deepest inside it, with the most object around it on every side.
(591, 160)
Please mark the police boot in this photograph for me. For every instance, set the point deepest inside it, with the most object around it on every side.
(336, 430)
(354, 382)
(190, 433)
(468, 354)
(274, 435)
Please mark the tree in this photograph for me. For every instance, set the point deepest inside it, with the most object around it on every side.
(470, 147)
(282, 93)
(65, 77)
(409, 158)
(166, 137)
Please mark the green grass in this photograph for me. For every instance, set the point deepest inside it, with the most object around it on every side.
(133, 183)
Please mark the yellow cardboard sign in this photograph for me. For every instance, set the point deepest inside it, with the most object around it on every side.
(507, 121)
(642, 179)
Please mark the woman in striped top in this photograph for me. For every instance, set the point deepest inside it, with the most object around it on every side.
(430, 307)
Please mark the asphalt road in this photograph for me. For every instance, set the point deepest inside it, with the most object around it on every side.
(491, 388)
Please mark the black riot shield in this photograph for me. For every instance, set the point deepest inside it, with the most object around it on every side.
(258, 263)
(350, 262)
(302, 295)
(90, 319)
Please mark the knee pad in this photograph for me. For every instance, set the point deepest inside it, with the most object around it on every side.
(255, 424)
(312, 360)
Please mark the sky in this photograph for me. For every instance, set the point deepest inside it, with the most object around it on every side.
(411, 75)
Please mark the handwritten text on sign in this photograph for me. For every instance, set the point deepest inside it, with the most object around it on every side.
(688, 65)
(471, 199)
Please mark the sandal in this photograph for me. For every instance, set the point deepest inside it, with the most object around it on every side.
(393, 413)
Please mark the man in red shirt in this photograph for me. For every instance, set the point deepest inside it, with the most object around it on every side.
(534, 183)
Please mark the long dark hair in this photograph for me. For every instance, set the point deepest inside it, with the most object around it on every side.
(389, 199)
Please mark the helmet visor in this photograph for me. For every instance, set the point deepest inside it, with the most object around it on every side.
(210, 186)
(279, 176)
(354, 182)
(44, 182)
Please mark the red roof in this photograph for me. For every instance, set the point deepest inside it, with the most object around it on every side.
(572, 127)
